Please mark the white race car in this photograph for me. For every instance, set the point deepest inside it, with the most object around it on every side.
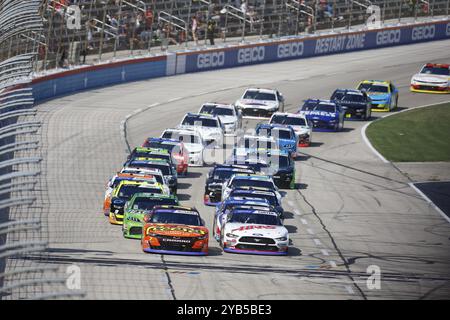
(257, 102)
(298, 122)
(433, 78)
(209, 127)
(254, 232)
(229, 116)
(192, 140)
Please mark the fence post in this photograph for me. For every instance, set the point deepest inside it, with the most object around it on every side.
(400, 2)
(262, 20)
(100, 49)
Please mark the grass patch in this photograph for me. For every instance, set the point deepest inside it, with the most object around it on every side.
(420, 135)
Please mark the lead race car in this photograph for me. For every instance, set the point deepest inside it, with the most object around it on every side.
(256, 102)
(254, 232)
(174, 230)
(432, 78)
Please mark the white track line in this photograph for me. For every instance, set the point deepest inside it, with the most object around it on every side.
(304, 221)
(310, 231)
(411, 184)
(349, 289)
(317, 242)
(324, 252)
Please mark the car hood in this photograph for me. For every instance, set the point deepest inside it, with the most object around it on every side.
(250, 103)
(301, 130)
(193, 148)
(175, 230)
(227, 119)
(256, 230)
(319, 115)
(432, 78)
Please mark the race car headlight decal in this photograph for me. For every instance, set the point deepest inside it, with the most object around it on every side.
(203, 237)
(281, 239)
(232, 235)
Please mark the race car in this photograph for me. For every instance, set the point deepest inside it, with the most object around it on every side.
(357, 104)
(256, 142)
(137, 207)
(124, 192)
(114, 182)
(256, 102)
(209, 127)
(192, 140)
(432, 78)
(217, 177)
(241, 180)
(254, 232)
(323, 115)
(384, 94)
(176, 148)
(257, 165)
(174, 230)
(259, 193)
(298, 122)
(283, 168)
(285, 136)
(222, 210)
(169, 172)
(229, 116)
(154, 153)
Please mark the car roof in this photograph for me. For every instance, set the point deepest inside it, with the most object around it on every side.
(253, 211)
(288, 114)
(262, 90)
(149, 160)
(254, 190)
(437, 65)
(152, 171)
(201, 115)
(377, 82)
(184, 131)
(143, 183)
(251, 176)
(172, 208)
(273, 126)
(246, 200)
(350, 91)
(154, 195)
(163, 140)
(152, 150)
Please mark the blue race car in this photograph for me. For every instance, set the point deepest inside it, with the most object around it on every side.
(284, 135)
(357, 104)
(323, 115)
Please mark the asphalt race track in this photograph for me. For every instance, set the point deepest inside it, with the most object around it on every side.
(350, 210)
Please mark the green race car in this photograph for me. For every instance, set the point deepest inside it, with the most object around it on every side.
(136, 208)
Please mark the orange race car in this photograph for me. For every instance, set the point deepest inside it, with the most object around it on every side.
(174, 230)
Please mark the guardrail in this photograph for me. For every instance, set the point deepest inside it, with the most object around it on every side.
(21, 230)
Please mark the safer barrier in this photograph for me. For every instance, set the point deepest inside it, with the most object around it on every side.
(84, 78)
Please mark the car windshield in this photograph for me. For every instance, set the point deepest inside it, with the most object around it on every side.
(159, 145)
(186, 138)
(309, 105)
(275, 133)
(271, 198)
(255, 218)
(337, 95)
(143, 203)
(286, 120)
(373, 88)
(353, 98)
(223, 174)
(187, 218)
(166, 157)
(220, 111)
(436, 70)
(165, 168)
(201, 122)
(127, 191)
(254, 143)
(208, 108)
(325, 107)
(251, 183)
(257, 95)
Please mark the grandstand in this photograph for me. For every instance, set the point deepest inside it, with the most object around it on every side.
(130, 27)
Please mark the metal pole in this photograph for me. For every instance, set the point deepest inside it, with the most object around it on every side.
(448, 7)
(415, 11)
(384, 12)
(350, 15)
(119, 19)
(400, 11)
(188, 23)
(315, 16)
(297, 20)
(151, 27)
(243, 28)
(226, 27)
(262, 20)
(206, 29)
(100, 49)
(332, 15)
(432, 8)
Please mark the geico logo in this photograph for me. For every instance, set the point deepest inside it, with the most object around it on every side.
(388, 37)
(251, 54)
(447, 30)
(422, 33)
(210, 60)
(287, 50)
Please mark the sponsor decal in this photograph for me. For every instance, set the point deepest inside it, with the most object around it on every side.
(447, 30)
(388, 37)
(333, 44)
(251, 227)
(211, 60)
(288, 50)
(248, 55)
(167, 229)
(423, 33)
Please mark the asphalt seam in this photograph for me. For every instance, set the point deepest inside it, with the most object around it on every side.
(336, 248)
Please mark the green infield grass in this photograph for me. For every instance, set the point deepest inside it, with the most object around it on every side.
(419, 135)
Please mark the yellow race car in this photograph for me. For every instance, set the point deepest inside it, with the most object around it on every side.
(384, 94)
(433, 78)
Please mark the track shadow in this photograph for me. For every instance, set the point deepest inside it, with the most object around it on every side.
(288, 215)
(290, 228)
(301, 186)
(215, 251)
(184, 185)
(183, 197)
(193, 174)
(293, 251)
